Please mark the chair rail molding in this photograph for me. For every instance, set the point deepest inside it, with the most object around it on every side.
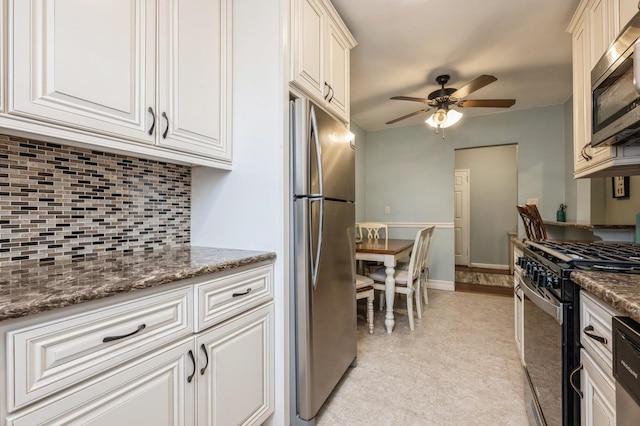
(438, 225)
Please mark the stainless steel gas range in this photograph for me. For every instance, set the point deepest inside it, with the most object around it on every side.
(551, 320)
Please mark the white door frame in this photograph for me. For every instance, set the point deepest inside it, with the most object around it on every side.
(461, 213)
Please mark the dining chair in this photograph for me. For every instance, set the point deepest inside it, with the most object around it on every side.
(424, 266)
(533, 224)
(372, 230)
(406, 280)
(364, 285)
(364, 290)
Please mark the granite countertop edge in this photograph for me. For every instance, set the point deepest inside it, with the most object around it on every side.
(593, 226)
(93, 283)
(618, 290)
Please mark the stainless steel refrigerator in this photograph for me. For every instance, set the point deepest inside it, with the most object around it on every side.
(323, 287)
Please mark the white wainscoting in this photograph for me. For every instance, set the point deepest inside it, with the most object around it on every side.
(436, 284)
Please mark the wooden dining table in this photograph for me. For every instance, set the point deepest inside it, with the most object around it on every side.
(387, 251)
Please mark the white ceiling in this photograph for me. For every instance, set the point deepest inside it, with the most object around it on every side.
(404, 44)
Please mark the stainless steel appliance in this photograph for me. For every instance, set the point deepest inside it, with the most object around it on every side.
(550, 337)
(615, 83)
(323, 281)
(626, 370)
(551, 320)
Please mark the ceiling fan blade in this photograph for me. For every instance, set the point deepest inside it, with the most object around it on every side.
(408, 115)
(409, 98)
(493, 103)
(473, 85)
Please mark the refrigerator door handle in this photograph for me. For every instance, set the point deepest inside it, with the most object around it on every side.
(313, 136)
(315, 257)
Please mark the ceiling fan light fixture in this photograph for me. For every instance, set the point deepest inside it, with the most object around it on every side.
(444, 118)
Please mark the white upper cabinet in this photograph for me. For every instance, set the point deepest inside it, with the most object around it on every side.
(84, 64)
(3, 38)
(595, 24)
(194, 74)
(149, 76)
(320, 56)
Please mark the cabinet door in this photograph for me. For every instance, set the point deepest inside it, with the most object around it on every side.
(236, 386)
(308, 46)
(600, 30)
(581, 105)
(88, 65)
(337, 71)
(626, 10)
(194, 76)
(599, 399)
(150, 391)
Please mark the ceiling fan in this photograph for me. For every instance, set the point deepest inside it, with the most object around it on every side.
(445, 97)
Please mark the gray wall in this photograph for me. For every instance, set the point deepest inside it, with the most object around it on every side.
(411, 169)
(493, 196)
(361, 195)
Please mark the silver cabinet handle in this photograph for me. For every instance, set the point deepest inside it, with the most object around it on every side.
(244, 293)
(112, 338)
(588, 330)
(204, 349)
(193, 361)
(166, 130)
(575, 388)
(153, 123)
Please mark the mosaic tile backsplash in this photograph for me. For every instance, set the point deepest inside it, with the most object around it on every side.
(65, 203)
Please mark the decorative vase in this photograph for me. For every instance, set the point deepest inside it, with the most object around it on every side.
(561, 216)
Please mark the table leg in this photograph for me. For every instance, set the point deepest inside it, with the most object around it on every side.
(390, 293)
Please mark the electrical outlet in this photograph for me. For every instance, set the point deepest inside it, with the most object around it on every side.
(532, 201)
(387, 210)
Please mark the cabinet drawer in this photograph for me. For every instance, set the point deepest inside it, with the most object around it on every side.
(222, 298)
(595, 321)
(45, 358)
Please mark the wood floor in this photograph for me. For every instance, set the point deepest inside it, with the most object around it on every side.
(484, 280)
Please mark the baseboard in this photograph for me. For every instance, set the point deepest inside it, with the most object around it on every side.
(441, 285)
(490, 266)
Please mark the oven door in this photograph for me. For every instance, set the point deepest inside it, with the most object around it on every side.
(543, 317)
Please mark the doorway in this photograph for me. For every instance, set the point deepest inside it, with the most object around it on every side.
(492, 191)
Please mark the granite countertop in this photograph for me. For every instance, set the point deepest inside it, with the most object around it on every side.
(586, 225)
(26, 290)
(622, 291)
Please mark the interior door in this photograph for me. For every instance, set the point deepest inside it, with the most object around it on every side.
(461, 216)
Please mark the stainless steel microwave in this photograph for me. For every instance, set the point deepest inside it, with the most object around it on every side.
(615, 85)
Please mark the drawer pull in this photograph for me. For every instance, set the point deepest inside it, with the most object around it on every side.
(206, 357)
(242, 294)
(164, 134)
(153, 123)
(588, 331)
(193, 360)
(575, 388)
(112, 338)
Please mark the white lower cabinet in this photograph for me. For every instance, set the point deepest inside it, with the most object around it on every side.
(598, 407)
(235, 385)
(599, 396)
(140, 361)
(152, 390)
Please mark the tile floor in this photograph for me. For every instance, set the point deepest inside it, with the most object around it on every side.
(459, 367)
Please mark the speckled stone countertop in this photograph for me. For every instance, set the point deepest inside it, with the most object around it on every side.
(29, 290)
(586, 225)
(622, 291)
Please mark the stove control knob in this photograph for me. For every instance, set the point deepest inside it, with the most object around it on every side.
(556, 282)
(542, 278)
(535, 272)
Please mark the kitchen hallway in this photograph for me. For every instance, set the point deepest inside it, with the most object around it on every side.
(459, 367)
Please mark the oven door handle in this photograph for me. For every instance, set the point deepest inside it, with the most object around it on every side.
(555, 310)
